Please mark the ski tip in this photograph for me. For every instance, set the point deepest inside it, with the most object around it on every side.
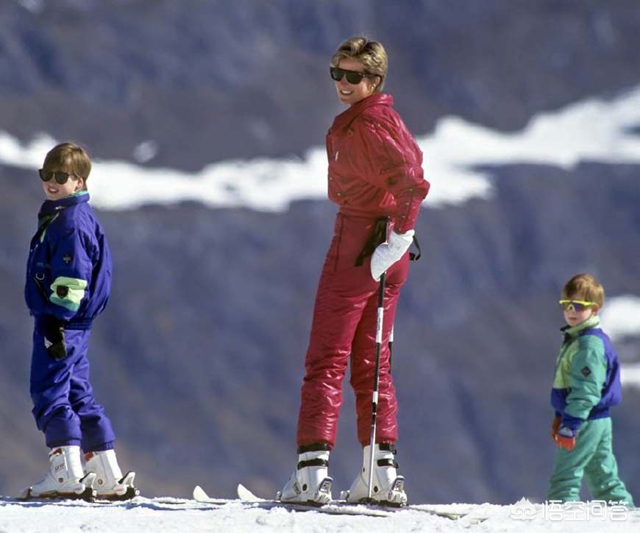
(245, 494)
(199, 493)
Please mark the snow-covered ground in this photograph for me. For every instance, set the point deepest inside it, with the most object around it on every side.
(168, 515)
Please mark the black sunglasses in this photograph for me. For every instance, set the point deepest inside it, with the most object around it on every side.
(353, 77)
(60, 177)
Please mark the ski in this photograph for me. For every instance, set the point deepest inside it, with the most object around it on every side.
(201, 496)
(88, 494)
(251, 501)
(130, 492)
(344, 507)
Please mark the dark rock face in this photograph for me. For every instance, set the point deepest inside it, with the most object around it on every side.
(219, 80)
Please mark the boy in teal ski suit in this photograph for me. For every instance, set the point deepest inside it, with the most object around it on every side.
(586, 386)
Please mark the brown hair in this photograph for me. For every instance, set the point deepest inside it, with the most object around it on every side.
(584, 287)
(72, 155)
(371, 54)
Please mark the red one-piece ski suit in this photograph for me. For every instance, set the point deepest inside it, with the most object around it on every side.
(375, 170)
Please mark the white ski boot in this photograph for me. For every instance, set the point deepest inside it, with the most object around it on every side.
(110, 484)
(310, 483)
(65, 478)
(388, 486)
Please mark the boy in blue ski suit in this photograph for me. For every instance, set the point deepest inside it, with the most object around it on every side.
(67, 286)
(586, 386)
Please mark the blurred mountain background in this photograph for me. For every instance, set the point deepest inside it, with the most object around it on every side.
(199, 356)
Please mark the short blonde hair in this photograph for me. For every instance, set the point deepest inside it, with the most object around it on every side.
(72, 155)
(370, 53)
(584, 287)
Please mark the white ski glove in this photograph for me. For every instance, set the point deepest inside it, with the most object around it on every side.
(388, 253)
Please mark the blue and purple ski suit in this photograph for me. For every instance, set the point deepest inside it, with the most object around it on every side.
(67, 287)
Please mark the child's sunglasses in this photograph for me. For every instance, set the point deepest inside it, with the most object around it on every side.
(576, 305)
(353, 77)
(60, 177)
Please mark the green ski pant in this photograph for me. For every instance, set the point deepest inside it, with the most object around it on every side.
(592, 458)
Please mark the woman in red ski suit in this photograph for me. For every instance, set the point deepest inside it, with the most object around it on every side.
(375, 171)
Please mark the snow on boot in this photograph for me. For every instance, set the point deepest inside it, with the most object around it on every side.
(388, 486)
(310, 483)
(65, 478)
(110, 484)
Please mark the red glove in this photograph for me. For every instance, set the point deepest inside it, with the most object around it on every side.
(555, 426)
(566, 438)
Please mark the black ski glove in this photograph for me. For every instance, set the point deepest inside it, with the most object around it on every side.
(54, 340)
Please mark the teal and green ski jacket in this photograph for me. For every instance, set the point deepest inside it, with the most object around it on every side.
(587, 376)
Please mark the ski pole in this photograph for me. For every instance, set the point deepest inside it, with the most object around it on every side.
(376, 382)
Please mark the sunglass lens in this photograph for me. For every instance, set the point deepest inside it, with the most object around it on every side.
(574, 306)
(61, 177)
(354, 77)
(336, 73)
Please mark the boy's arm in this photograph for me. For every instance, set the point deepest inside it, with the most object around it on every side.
(71, 270)
(588, 374)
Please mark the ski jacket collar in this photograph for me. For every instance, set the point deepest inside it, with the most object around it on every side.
(346, 117)
(50, 207)
(589, 323)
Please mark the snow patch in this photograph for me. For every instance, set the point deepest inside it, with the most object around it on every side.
(620, 317)
(589, 130)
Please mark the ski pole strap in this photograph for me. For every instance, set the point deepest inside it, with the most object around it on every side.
(415, 256)
(378, 236)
